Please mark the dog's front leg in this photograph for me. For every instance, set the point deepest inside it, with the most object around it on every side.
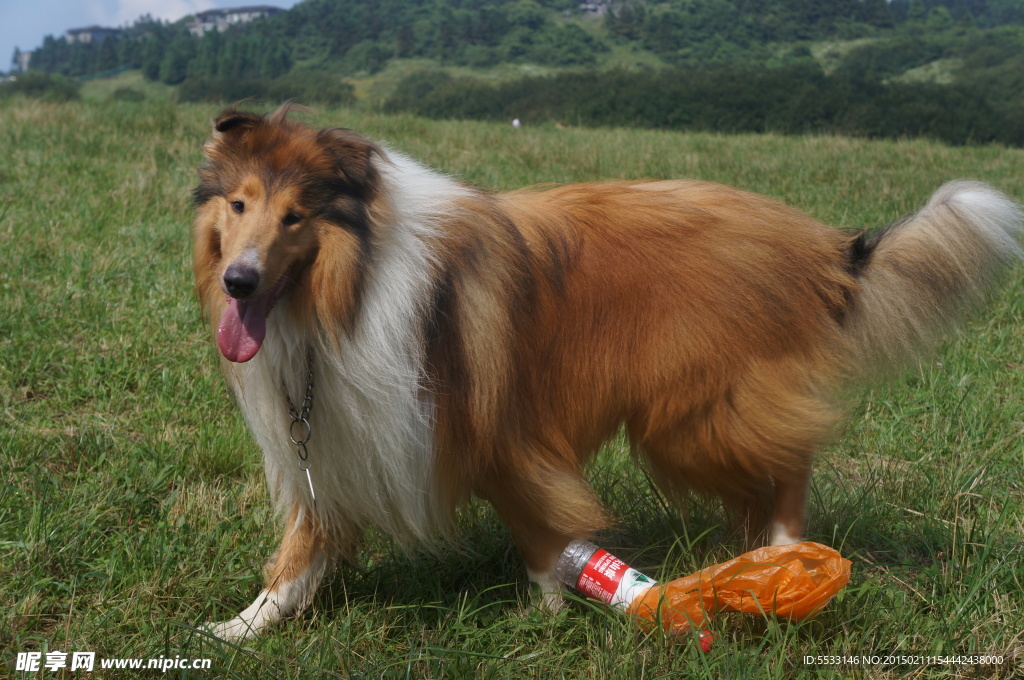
(545, 507)
(292, 577)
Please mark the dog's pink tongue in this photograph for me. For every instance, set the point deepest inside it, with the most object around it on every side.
(242, 329)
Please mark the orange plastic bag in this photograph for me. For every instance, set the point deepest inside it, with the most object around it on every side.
(791, 581)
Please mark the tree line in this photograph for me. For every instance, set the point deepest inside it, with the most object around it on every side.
(725, 32)
(797, 99)
(349, 36)
(169, 53)
(343, 36)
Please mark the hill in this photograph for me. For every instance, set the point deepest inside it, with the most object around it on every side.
(912, 60)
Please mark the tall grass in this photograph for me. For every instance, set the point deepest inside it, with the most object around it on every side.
(132, 503)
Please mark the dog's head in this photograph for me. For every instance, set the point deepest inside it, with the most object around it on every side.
(273, 195)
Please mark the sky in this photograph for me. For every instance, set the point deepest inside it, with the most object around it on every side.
(24, 23)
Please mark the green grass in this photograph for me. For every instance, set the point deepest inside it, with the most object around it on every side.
(103, 89)
(373, 90)
(132, 503)
(940, 71)
(831, 53)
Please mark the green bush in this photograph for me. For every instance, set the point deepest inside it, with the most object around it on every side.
(366, 56)
(127, 94)
(311, 87)
(414, 88)
(44, 86)
(302, 87)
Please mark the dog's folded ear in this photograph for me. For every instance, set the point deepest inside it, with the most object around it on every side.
(352, 158)
(232, 120)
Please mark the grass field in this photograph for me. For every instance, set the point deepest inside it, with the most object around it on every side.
(132, 502)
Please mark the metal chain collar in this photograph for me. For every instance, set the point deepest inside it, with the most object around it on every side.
(300, 431)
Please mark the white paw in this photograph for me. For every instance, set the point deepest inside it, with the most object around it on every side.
(234, 630)
(263, 611)
(551, 603)
(550, 589)
(781, 536)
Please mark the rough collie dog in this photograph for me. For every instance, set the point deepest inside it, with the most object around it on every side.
(454, 342)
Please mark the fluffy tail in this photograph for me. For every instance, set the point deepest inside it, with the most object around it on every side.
(920, 276)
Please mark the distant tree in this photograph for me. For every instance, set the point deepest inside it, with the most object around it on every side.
(916, 12)
(153, 52)
(180, 51)
(106, 56)
(526, 13)
(899, 9)
(274, 60)
(405, 42)
(83, 59)
(939, 19)
(230, 60)
(628, 22)
(207, 55)
(876, 13)
(446, 38)
(491, 24)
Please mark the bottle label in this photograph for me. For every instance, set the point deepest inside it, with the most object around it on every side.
(609, 579)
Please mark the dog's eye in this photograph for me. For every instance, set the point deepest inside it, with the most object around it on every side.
(290, 219)
(238, 207)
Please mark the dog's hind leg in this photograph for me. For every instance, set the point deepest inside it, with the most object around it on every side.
(752, 447)
(292, 577)
(774, 513)
(789, 515)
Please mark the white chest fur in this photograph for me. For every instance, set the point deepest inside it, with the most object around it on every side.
(371, 453)
(370, 450)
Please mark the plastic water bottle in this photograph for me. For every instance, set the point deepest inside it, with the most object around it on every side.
(598, 574)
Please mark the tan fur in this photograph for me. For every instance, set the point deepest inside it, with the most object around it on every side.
(945, 264)
(653, 305)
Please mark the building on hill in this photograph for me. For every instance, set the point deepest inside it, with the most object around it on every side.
(222, 19)
(21, 60)
(595, 8)
(90, 34)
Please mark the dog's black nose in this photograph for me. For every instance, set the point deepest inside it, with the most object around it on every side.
(241, 281)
